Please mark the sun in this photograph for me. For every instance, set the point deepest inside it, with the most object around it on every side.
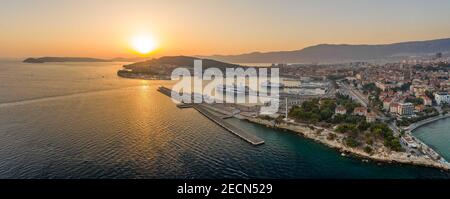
(144, 44)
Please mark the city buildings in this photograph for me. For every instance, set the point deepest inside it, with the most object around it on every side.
(361, 111)
(371, 117)
(405, 109)
(340, 110)
(387, 103)
(442, 98)
(393, 108)
(426, 100)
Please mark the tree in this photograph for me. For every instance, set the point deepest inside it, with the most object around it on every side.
(415, 101)
(312, 111)
(429, 94)
(362, 126)
(351, 142)
(346, 128)
(331, 136)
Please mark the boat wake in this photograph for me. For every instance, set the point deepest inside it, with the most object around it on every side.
(60, 97)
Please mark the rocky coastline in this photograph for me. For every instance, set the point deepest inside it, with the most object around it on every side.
(321, 135)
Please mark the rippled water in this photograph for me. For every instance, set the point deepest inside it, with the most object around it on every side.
(80, 120)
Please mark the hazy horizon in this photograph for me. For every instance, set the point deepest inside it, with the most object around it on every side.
(209, 55)
(104, 29)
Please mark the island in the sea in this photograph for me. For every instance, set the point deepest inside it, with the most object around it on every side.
(78, 59)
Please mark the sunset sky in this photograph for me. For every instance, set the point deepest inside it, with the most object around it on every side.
(106, 28)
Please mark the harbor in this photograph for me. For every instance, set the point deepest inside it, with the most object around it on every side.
(150, 137)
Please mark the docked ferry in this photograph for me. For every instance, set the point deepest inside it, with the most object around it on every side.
(233, 88)
(272, 84)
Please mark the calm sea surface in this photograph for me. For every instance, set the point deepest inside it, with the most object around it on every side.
(79, 120)
(437, 136)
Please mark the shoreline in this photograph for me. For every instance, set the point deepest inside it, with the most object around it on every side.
(336, 140)
(422, 123)
(322, 135)
(380, 154)
(129, 75)
(413, 127)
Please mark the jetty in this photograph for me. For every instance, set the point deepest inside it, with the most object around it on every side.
(253, 139)
(219, 120)
(183, 105)
(166, 91)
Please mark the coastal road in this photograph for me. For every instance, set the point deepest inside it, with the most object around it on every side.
(356, 95)
(394, 128)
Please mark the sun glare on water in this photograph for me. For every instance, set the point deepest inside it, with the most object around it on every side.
(144, 44)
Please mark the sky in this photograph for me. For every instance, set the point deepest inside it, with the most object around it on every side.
(106, 28)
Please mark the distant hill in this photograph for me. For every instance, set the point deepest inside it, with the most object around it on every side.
(165, 65)
(77, 59)
(342, 53)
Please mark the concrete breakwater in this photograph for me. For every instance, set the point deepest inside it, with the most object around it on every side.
(255, 140)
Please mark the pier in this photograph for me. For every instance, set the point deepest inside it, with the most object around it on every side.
(183, 105)
(219, 120)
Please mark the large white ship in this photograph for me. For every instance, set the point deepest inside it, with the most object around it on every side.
(233, 88)
(272, 84)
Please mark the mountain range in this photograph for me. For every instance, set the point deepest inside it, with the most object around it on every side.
(168, 63)
(331, 53)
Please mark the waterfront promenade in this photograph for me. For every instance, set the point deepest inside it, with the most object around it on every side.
(424, 147)
(418, 124)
